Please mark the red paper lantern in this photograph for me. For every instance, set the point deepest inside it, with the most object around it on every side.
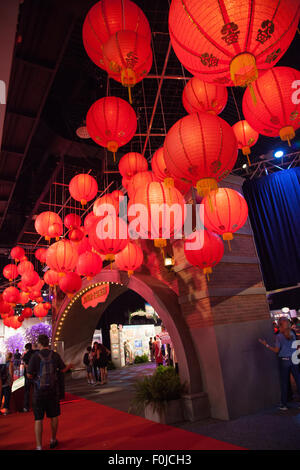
(27, 312)
(228, 214)
(105, 205)
(109, 236)
(24, 267)
(30, 278)
(47, 305)
(89, 264)
(14, 322)
(35, 295)
(70, 283)
(132, 163)
(11, 295)
(127, 58)
(45, 220)
(277, 110)
(62, 256)
(107, 17)
(83, 188)
(155, 224)
(40, 311)
(162, 173)
(76, 235)
(17, 253)
(230, 42)
(246, 137)
(41, 254)
(200, 149)
(51, 277)
(111, 122)
(10, 272)
(55, 231)
(203, 249)
(130, 259)
(83, 246)
(72, 221)
(5, 307)
(199, 96)
(24, 298)
(140, 180)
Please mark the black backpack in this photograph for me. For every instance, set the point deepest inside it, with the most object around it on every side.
(47, 379)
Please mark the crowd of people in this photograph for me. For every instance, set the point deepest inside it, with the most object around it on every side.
(161, 354)
(96, 361)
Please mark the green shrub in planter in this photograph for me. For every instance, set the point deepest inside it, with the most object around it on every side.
(155, 390)
(141, 359)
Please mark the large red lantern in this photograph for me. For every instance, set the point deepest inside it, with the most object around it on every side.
(30, 278)
(105, 205)
(229, 212)
(14, 322)
(107, 17)
(72, 221)
(162, 173)
(277, 110)
(75, 235)
(199, 96)
(27, 312)
(203, 249)
(62, 256)
(200, 149)
(157, 221)
(132, 163)
(24, 298)
(11, 295)
(140, 180)
(246, 136)
(40, 311)
(83, 188)
(48, 220)
(24, 267)
(130, 259)
(127, 58)
(70, 283)
(17, 253)
(41, 254)
(109, 236)
(111, 122)
(89, 264)
(51, 277)
(10, 272)
(230, 42)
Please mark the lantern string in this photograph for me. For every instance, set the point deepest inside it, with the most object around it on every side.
(229, 245)
(236, 106)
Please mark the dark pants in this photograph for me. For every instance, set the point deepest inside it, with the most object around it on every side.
(28, 386)
(286, 367)
(6, 393)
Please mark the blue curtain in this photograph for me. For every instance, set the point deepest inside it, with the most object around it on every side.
(274, 211)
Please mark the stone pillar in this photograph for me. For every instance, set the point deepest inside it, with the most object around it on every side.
(226, 316)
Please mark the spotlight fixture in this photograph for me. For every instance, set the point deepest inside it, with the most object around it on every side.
(285, 309)
(245, 166)
(278, 153)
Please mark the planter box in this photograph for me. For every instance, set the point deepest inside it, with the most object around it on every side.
(173, 413)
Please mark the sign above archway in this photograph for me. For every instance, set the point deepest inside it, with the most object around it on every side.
(95, 296)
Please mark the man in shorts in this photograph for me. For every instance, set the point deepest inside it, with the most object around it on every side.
(43, 368)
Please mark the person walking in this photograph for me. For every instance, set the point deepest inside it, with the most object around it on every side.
(28, 383)
(6, 378)
(151, 350)
(95, 361)
(43, 369)
(103, 361)
(286, 348)
(17, 362)
(158, 353)
(88, 362)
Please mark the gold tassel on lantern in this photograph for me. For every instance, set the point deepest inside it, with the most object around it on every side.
(113, 146)
(243, 71)
(207, 271)
(128, 79)
(287, 133)
(228, 236)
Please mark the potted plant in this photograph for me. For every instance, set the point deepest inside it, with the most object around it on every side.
(159, 396)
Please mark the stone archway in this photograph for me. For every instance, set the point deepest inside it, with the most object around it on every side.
(75, 326)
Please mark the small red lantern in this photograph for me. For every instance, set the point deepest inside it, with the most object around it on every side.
(14, 322)
(140, 180)
(40, 254)
(132, 163)
(203, 249)
(27, 312)
(30, 278)
(55, 231)
(24, 267)
(17, 253)
(72, 221)
(40, 311)
(35, 294)
(111, 123)
(109, 236)
(246, 137)
(70, 283)
(83, 188)
(229, 212)
(76, 235)
(89, 220)
(200, 149)
(107, 17)
(11, 295)
(89, 264)
(199, 96)
(45, 220)
(51, 277)
(127, 58)
(130, 259)
(24, 298)
(62, 256)
(10, 272)
(5, 307)
(277, 110)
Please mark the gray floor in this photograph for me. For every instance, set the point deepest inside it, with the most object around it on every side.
(268, 430)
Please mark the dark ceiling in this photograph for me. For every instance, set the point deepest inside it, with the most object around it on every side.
(53, 83)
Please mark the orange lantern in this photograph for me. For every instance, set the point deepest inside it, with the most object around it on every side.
(89, 264)
(200, 149)
(45, 220)
(132, 163)
(83, 188)
(111, 123)
(62, 256)
(109, 236)
(17, 253)
(229, 214)
(199, 96)
(203, 249)
(127, 58)
(107, 17)
(72, 221)
(130, 259)
(40, 311)
(10, 272)
(51, 277)
(277, 110)
(246, 137)
(231, 42)
(70, 283)
(140, 180)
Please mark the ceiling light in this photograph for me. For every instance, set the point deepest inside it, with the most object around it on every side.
(285, 309)
(278, 154)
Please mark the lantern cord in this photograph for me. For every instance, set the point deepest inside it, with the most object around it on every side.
(129, 95)
(248, 159)
(207, 277)
(229, 246)
(236, 106)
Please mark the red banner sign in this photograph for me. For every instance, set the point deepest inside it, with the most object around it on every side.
(95, 296)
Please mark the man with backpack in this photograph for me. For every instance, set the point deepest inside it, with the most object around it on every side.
(44, 367)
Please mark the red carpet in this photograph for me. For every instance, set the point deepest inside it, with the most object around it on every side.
(85, 425)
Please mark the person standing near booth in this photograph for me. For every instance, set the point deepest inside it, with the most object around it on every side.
(28, 383)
